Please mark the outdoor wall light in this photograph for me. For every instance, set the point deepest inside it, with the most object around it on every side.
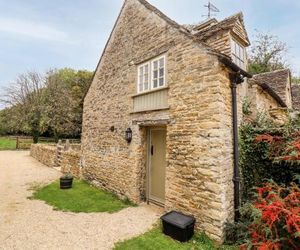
(128, 135)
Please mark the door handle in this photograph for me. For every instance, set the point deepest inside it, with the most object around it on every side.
(152, 150)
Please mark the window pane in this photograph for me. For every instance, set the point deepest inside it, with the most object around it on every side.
(243, 54)
(141, 70)
(155, 64)
(146, 68)
(155, 83)
(161, 63)
(161, 72)
(161, 82)
(238, 54)
(146, 86)
(140, 87)
(155, 74)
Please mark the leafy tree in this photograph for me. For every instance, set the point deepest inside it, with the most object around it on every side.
(25, 97)
(65, 91)
(296, 80)
(50, 104)
(267, 54)
(10, 122)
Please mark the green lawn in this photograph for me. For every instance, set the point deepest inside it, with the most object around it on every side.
(156, 240)
(7, 143)
(81, 198)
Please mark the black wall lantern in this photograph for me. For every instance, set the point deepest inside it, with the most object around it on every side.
(128, 135)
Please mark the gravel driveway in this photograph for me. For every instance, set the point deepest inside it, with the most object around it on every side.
(31, 224)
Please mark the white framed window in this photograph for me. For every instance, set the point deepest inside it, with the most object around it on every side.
(158, 73)
(238, 53)
(144, 77)
(152, 75)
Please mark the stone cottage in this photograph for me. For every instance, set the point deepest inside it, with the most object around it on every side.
(271, 93)
(160, 117)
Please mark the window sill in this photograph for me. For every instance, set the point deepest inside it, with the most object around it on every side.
(150, 91)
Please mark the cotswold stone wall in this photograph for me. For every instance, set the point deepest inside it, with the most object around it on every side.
(70, 163)
(198, 122)
(45, 154)
(68, 159)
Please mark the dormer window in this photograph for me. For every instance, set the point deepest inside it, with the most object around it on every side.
(152, 75)
(238, 53)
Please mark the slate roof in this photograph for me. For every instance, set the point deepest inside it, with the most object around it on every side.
(215, 26)
(269, 90)
(296, 96)
(277, 80)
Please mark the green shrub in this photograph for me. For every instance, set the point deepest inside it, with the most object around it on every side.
(238, 233)
(246, 107)
(259, 158)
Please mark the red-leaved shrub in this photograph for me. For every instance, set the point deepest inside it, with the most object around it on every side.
(282, 148)
(279, 224)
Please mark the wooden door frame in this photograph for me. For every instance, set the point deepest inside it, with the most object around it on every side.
(148, 172)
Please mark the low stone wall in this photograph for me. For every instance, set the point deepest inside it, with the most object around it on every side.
(67, 157)
(70, 163)
(45, 154)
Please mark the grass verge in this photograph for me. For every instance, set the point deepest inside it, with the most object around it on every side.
(156, 240)
(7, 143)
(81, 198)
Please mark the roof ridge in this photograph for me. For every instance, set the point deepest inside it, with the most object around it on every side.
(271, 72)
(173, 23)
(163, 16)
(236, 15)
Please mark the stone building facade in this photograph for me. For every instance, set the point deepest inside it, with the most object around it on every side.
(271, 93)
(188, 119)
(280, 82)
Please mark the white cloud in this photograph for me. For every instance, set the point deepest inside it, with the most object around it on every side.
(31, 29)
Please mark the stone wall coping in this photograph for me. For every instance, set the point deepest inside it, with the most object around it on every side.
(72, 153)
(48, 146)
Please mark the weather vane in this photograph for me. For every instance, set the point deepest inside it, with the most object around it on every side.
(211, 8)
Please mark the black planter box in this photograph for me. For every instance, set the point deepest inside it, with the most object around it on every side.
(178, 226)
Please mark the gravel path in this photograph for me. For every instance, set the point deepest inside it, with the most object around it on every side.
(31, 224)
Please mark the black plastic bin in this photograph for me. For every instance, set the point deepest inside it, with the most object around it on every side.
(178, 226)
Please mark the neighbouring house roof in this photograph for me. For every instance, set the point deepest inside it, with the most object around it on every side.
(266, 87)
(296, 96)
(210, 27)
(276, 80)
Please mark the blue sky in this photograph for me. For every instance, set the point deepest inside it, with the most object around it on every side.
(39, 35)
